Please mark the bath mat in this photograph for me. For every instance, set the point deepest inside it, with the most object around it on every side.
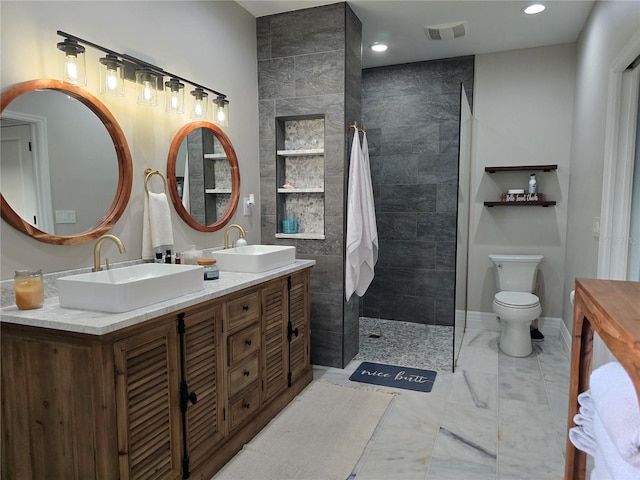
(393, 376)
(320, 435)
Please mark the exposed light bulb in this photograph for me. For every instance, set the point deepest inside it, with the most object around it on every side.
(147, 92)
(72, 68)
(111, 82)
(221, 116)
(174, 101)
(198, 108)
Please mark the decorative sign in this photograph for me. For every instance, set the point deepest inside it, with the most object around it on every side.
(522, 197)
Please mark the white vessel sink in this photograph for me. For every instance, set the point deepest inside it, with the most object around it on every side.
(254, 258)
(128, 288)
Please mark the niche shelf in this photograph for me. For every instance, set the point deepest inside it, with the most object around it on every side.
(521, 168)
(300, 176)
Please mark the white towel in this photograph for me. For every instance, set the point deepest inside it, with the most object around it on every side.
(156, 230)
(607, 455)
(360, 254)
(616, 404)
(582, 435)
(371, 235)
(185, 186)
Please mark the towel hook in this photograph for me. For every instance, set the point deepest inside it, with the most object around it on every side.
(148, 173)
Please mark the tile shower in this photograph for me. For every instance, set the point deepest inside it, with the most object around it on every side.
(411, 113)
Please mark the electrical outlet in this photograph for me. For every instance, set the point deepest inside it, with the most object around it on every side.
(596, 227)
(246, 207)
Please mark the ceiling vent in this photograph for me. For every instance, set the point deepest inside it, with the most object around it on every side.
(446, 31)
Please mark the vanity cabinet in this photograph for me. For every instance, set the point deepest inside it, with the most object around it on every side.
(175, 396)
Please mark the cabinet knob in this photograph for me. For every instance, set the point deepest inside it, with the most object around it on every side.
(246, 373)
(246, 405)
(245, 307)
(247, 342)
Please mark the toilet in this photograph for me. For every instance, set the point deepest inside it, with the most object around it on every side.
(515, 304)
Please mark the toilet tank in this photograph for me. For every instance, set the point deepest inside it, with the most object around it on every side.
(516, 273)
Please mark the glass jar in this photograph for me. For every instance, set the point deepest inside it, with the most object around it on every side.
(211, 271)
(28, 289)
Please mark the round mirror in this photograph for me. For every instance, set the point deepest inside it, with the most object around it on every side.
(66, 165)
(203, 176)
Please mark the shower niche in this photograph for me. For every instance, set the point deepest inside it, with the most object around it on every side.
(300, 163)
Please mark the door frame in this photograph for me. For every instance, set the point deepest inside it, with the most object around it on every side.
(42, 178)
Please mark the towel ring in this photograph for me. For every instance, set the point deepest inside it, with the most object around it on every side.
(148, 174)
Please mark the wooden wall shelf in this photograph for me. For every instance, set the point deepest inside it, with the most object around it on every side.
(520, 204)
(522, 168)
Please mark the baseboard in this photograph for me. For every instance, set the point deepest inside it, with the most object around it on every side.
(550, 326)
(565, 336)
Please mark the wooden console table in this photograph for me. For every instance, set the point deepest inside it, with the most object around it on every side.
(611, 308)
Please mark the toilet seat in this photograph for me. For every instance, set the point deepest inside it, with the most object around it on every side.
(516, 300)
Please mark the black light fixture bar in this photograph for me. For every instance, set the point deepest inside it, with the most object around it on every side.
(132, 64)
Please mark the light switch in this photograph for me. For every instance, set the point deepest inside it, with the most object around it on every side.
(596, 227)
(65, 216)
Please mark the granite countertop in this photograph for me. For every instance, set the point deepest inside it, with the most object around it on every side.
(53, 316)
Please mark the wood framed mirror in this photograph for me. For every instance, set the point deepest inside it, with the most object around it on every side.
(84, 150)
(203, 176)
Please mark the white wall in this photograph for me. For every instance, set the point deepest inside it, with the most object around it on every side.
(212, 43)
(611, 25)
(523, 105)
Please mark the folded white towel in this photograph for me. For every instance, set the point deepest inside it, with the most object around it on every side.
(616, 404)
(156, 231)
(607, 453)
(582, 435)
(582, 441)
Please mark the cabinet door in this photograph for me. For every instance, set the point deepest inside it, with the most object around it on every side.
(203, 362)
(148, 414)
(299, 305)
(274, 341)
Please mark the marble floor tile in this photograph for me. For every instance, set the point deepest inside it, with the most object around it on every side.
(496, 417)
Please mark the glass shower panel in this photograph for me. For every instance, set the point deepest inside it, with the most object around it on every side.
(462, 237)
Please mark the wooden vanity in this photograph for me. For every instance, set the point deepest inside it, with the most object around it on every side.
(612, 309)
(173, 396)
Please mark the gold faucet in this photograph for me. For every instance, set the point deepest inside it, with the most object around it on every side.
(226, 233)
(98, 245)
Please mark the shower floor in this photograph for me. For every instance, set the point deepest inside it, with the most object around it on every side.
(406, 344)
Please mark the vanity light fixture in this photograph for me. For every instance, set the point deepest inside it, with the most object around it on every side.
(221, 111)
(147, 82)
(112, 75)
(149, 78)
(174, 93)
(534, 8)
(72, 62)
(200, 110)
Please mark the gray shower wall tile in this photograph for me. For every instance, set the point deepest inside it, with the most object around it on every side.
(459, 71)
(447, 198)
(403, 254)
(319, 74)
(334, 157)
(445, 311)
(408, 308)
(419, 139)
(263, 38)
(407, 198)
(327, 275)
(445, 256)
(397, 226)
(308, 31)
(393, 281)
(326, 347)
(436, 227)
(268, 158)
(394, 169)
(276, 78)
(267, 196)
(266, 120)
(331, 105)
(435, 283)
(448, 134)
(327, 312)
(334, 195)
(398, 81)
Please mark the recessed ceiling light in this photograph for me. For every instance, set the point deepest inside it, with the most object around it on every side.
(378, 47)
(534, 8)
